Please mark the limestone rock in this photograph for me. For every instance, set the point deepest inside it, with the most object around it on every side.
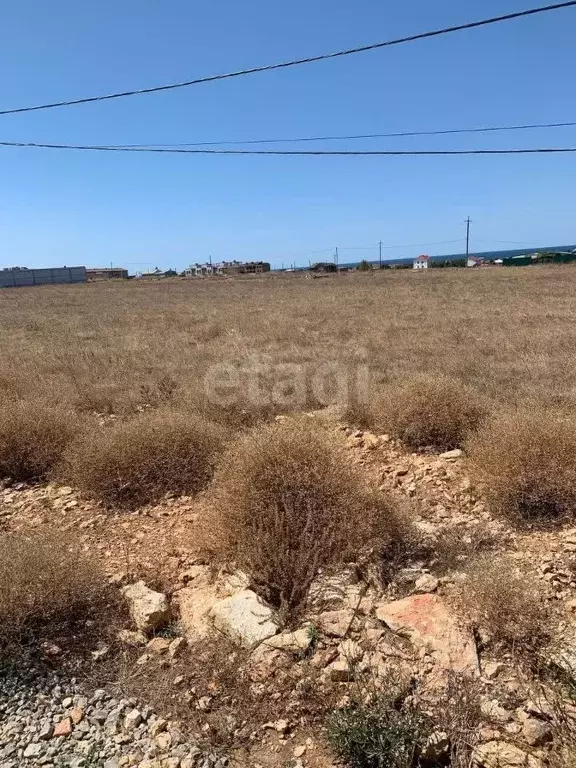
(454, 454)
(149, 610)
(336, 623)
(195, 604)
(425, 584)
(536, 732)
(159, 645)
(427, 622)
(296, 642)
(245, 618)
(500, 754)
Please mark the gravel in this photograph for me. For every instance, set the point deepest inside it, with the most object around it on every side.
(100, 731)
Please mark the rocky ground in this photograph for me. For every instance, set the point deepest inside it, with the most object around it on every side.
(48, 719)
(357, 629)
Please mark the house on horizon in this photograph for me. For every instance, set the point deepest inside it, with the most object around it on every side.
(421, 262)
(474, 261)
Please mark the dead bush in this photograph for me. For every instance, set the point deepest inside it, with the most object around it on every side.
(504, 605)
(430, 411)
(287, 502)
(526, 461)
(139, 461)
(33, 437)
(46, 585)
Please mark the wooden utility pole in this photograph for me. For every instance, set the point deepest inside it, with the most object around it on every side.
(380, 254)
(467, 238)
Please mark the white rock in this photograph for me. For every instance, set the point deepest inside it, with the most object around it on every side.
(149, 610)
(500, 754)
(455, 454)
(245, 618)
(425, 584)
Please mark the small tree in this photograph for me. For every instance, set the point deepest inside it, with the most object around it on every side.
(364, 266)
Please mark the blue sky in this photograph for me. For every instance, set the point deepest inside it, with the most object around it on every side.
(61, 207)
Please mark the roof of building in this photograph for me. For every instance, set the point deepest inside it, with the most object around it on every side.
(422, 257)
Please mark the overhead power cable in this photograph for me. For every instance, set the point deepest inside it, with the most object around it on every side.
(293, 152)
(296, 62)
(401, 134)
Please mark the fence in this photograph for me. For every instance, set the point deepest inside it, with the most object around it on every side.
(13, 278)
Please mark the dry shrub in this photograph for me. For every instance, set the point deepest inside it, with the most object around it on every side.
(287, 502)
(430, 411)
(46, 584)
(139, 461)
(504, 604)
(33, 437)
(526, 461)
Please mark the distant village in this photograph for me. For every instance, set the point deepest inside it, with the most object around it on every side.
(23, 276)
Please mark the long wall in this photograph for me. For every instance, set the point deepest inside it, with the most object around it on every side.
(12, 278)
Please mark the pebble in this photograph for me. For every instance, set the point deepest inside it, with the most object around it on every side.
(46, 719)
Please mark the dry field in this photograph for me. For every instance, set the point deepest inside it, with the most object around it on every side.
(107, 347)
(390, 583)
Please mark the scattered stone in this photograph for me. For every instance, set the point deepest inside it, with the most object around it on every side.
(336, 623)
(341, 671)
(501, 754)
(296, 642)
(425, 584)
(45, 732)
(426, 621)
(176, 647)
(149, 610)
(454, 454)
(299, 750)
(159, 645)
(133, 639)
(536, 732)
(495, 712)
(245, 618)
(132, 720)
(64, 728)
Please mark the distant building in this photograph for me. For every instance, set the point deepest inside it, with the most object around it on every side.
(474, 261)
(15, 277)
(324, 266)
(227, 268)
(156, 274)
(107, 273)
(421, 262)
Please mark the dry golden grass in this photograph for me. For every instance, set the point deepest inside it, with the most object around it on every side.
(33, 437)
(526, 462)
(430, 411)
(137, 462)
(287, 502)
(505, 605)
(510, 333)
(46, 584)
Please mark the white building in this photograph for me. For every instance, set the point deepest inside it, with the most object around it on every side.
(421, 262)
(474, 261)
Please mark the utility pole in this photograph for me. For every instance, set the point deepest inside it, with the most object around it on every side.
(380, 254)
(336, 259)
(467, 237)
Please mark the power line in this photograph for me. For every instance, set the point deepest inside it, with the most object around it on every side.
(296, 62)
(489, 129)
(286, 152)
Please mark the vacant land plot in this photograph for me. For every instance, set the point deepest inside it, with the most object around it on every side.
(223, 587)
(110, 347)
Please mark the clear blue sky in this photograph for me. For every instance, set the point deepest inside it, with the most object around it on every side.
(144, 210)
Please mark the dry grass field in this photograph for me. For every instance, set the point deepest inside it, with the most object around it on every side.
(392, 582)
(510, 333)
